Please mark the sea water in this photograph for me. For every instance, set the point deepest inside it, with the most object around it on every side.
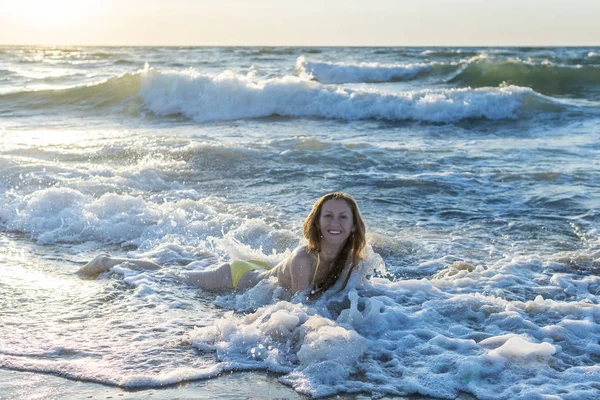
(477, 171)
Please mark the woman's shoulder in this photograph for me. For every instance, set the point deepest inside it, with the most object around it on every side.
(301, 255)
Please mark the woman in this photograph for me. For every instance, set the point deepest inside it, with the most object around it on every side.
(335, 232)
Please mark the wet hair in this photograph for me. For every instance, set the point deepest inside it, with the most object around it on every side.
(354, 244)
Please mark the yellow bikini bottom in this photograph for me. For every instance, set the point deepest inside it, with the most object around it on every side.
(239, 268)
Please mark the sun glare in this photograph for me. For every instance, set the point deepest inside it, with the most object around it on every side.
(55, 14)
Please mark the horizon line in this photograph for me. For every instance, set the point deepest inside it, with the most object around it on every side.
(296, 45)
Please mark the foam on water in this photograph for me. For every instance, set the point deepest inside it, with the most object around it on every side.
(161, 230)
(472, 328)
(419, 336)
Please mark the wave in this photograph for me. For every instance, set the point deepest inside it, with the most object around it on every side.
(275, 51)
(546, 78)
(126, 62)
(478, 71)
(6, 72)
(104, 55)
(450, 53)
(330, 72)
(229, 96)
(111, 92)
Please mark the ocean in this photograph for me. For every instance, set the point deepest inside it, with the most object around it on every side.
(477, 171)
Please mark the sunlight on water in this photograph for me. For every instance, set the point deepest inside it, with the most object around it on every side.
(46, 137)
(21, 276)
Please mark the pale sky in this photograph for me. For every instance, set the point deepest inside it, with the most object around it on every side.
(301, 23)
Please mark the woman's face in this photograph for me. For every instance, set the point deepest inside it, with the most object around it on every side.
(336, 221)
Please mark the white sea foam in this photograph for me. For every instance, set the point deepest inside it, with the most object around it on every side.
(419, 336)
(162, 230)
(321, 354)
(340, 72)
(66, 215)
(434, 337)
(521, 349)
(229, 96)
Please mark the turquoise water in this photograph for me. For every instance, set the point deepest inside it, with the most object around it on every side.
(476, 170)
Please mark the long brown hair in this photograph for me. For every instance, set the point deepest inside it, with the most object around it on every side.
(354, 244)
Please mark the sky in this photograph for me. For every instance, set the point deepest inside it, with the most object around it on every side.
(301, 23)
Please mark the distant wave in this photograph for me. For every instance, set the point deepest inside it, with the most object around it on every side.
(479, 71)
(6, 72)
(546, 78)
(126, 62)
(230, 96)
(101, 54)
(275, 51)
(450, 53)
(330, 72)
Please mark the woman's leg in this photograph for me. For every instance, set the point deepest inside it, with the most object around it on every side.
(103, 263)
(251, 278)
(218, 278)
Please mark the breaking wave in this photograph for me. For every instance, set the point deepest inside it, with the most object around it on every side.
(230, 96)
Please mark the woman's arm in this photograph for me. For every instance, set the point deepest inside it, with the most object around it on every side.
(301, 267)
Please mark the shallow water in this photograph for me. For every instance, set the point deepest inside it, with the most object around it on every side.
(476, 171)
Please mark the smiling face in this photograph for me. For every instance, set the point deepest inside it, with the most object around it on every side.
(336, 221)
